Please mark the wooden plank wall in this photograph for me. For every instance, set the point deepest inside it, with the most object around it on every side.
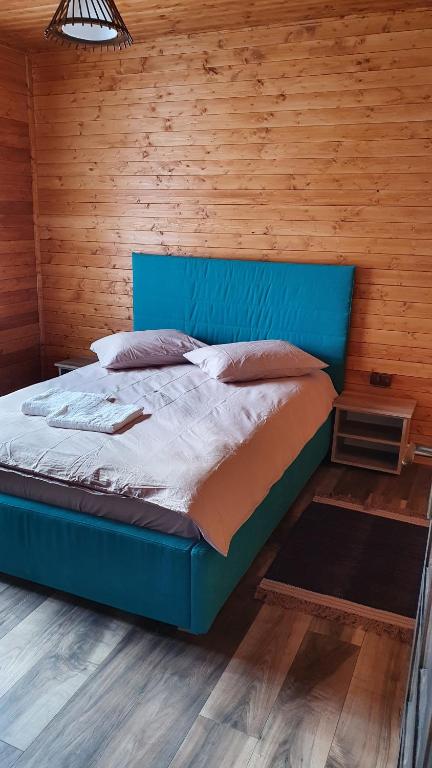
(308, 142)
(19, 330)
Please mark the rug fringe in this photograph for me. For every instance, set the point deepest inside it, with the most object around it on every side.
(403, 634)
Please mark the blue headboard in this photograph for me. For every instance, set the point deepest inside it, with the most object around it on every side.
(220, 300)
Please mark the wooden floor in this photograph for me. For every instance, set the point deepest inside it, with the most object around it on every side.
(405, 495)
(84, 687)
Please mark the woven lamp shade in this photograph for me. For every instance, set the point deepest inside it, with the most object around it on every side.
(88, 23)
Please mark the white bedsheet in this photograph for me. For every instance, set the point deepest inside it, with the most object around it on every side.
(209, 450)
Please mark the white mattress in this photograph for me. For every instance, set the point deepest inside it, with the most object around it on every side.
(206, 456)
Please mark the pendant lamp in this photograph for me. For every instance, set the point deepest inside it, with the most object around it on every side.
(88, 23)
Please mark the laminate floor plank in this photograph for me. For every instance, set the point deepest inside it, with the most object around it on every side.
(137, 709)
(399, 492)
(3, 584)
(418, 496)
(43, 630)
(248, 688)
(328, 477)
(392, 493)
(30, 640)
(213, 745)
(16, 602)
(91, 718)
(8, 755)
(85, 638)
(354, 488)
(404, 494)
(378, 497)
(353, 635)
(368, 730)
(301, 726)
(155, 728)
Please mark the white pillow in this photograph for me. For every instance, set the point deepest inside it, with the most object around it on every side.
(251, 360)
(139, 349)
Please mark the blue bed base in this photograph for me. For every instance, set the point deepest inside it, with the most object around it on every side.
(161, 576)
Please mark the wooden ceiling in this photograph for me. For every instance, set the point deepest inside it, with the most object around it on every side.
(22, 21)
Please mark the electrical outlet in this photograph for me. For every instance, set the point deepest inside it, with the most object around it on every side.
(380, 379)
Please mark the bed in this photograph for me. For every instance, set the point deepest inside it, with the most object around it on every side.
(182, 579)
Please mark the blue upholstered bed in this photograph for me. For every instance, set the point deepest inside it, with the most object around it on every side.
(177, 580)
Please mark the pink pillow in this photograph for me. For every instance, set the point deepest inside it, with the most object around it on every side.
(251, 360)
(139, 349)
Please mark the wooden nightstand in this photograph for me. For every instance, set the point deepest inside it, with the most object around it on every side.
(71, 364)
(371, 431)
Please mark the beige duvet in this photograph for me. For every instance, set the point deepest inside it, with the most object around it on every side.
(208, 450)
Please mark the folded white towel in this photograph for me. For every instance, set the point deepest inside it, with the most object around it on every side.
(93, 414)
(52, 400)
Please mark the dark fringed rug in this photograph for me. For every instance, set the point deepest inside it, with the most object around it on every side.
(356, 568)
